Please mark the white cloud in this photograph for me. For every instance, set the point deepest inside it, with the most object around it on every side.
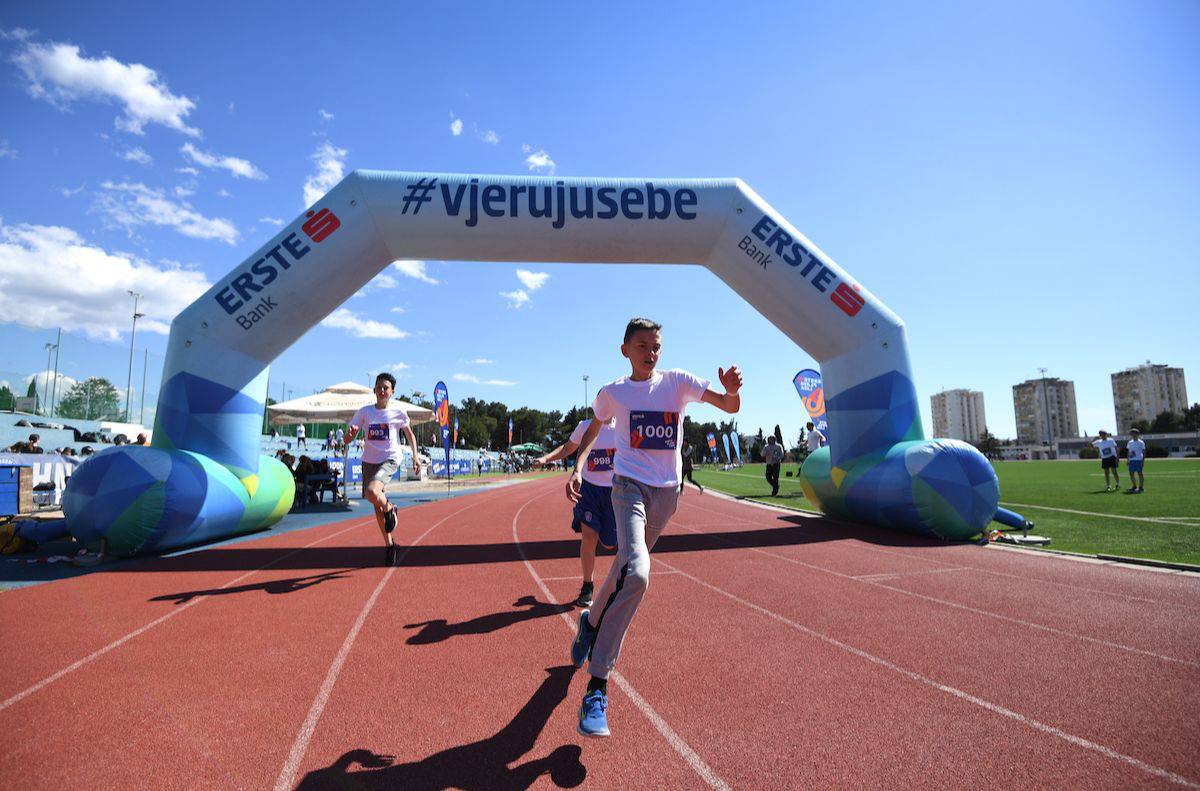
(16, 34)
(414, 269)
(325, 114)
(278, 223)
(489, 137)
(183, 192)
(67, 192)
(476, 380)
(6, 150)
(363, 328)
(58, 74)
(397, 310)
(380, 281)
(224, 193)
(396, 368)
(331, 167)
(235, 165)
(232, 107)
(138, 155)
(516, 299)
(45, 378)
(479, 361)
(456, 127)
(532, 280)
(188, 171)
(539, 160)
(131, 205)
(87, 290)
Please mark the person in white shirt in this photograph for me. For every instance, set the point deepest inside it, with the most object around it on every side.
(594, 511)
(647, 407)
(300, 440)
(1108, 460)
(382, 425)
(1136, 448)
(773, 456)
(814, 439)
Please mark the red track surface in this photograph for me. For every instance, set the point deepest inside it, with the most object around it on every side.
(772, 651)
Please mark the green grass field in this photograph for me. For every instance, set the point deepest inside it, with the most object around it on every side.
(1162, 524)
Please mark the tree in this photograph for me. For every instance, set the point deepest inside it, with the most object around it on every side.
(91, 399)
(1191, 418)
(1167, 423)
(7, 399)
(32, 390)
(987, 444)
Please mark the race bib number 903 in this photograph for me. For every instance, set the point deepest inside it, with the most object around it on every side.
(378, 432)
(653, 430)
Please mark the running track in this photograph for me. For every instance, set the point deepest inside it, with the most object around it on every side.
(772, 651)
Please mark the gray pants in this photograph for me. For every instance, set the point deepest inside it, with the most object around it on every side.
(642, 512)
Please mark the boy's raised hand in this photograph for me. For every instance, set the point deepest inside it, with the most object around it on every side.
(731, 379)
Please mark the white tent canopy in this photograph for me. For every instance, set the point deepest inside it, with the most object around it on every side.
(337, 404)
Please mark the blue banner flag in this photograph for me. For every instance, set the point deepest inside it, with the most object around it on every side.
(712, 446)
(441, 408)
(510, 432)
(725, 442)
(737, 446)
(808, 385)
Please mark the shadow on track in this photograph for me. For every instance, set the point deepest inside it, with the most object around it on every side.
(480, 765)
(290, 585)
(438, 630)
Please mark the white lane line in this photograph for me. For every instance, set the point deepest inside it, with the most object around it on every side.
(662, 726)
(898, 574)
(287, 775)
(967, 608)
(1155, 520)
(1079, 741)
(161, 619)
(871, 548)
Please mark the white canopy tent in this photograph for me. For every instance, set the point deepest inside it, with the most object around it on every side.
(337, 404)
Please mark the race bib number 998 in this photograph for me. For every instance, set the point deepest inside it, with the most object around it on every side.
(378, 432)
(653, 430)
(600, 460)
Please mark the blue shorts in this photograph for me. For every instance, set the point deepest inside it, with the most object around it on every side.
(595, 510)
(1135, 465)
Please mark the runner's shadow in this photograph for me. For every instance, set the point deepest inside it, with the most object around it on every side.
(483, 765)
(439, 630)
(290, 585)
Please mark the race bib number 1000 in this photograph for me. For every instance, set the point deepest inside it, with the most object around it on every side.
(378, 432)
(653, 430)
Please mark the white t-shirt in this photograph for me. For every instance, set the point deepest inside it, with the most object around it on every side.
(649, 423)
(1108, 447)
(1136, 448)
(382, 430)
(299, 431)
(815, 439)
(598, 468)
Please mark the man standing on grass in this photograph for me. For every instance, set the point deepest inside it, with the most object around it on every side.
(382, 424)
(1108, 460)
(1136, 448)
(773, 456)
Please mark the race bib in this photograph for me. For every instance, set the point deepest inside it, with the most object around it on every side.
(1106, 452)
(601, 460)
(378, 432)
(653, 430)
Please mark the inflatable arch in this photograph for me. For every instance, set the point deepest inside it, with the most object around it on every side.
(204, 478)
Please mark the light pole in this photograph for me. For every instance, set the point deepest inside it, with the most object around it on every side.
(129, 380)
(50, 347)
(145, 365)
(54, 388)
(585, 391)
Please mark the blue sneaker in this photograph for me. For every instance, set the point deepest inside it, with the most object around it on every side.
(593, 714)
(584, 638)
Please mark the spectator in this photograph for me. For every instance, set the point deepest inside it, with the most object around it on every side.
(141, 440)
(1108, 460)
(1136, 448)
(773, 456)
(301, 441)
(274, 435)
(32, 445)
(87, 451)
(340, 441)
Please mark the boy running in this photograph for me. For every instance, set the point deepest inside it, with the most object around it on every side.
(381, 457)
(648, 409)
(594, 509)
(1108, 460)
(1136, 448)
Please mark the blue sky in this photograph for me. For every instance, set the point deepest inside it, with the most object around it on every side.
(1020, 183)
